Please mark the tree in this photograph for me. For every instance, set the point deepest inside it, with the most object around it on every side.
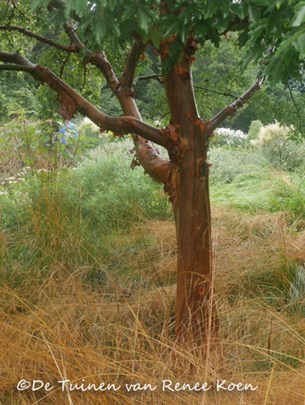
(172, 31)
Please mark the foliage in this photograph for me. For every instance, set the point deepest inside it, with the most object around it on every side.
(227, 164)
(103, 189)
(217, 73)
(44, 144)
(275, 191)
(254, 129)
(113, 196)
(173, 29)
(17, 92)
(277, 30)
(219, 78)
(273, 32)
(63, 307)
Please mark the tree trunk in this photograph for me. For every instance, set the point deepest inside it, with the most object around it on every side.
(193, 229)
(186, 181)
(189, 192)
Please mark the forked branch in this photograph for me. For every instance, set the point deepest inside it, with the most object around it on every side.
(72, 101)
(96, 58)
(232, 108)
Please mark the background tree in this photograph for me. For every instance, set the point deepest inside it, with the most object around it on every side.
(82, 32)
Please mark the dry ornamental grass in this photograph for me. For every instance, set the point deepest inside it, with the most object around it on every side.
(62, 329)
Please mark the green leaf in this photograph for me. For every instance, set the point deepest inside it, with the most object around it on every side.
(155, 36)
(238, 10)
(201, 29)
(99, 32)
(68, 8)
(257, 31)
(129, 11)
(300, 18)
(300, 45)
(211, 9)
(253, 12)
(171, 28)
(214, 37)
(278, 4)
(183, 34)
(81, 6)
(145, 20)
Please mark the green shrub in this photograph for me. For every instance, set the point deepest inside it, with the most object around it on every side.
(78, 219)
(114, 195)
(254, 130)
(227, 164)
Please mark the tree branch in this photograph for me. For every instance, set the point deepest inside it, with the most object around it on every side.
(119, 125)
(232, 108)
(146, 152)
(148, 156)
(215, 92)
(131, 64)
(148, 77)
(19, 68)
(16, 58)
(100, 60)
(72, 101)
(41, 38)
(73, 37)
(96, 58)
(15, 7)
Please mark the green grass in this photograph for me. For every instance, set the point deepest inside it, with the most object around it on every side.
(245, 181)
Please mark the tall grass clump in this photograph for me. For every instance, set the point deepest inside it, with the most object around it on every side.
(81, 218)
(275, 144)
(289, 196)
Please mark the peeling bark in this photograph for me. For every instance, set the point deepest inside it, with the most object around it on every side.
(148, 156)
(67, 106)
(189, 193)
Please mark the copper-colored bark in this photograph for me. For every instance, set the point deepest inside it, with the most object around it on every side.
(190, 198)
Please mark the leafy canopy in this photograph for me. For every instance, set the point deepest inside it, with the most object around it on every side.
(274, 31)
